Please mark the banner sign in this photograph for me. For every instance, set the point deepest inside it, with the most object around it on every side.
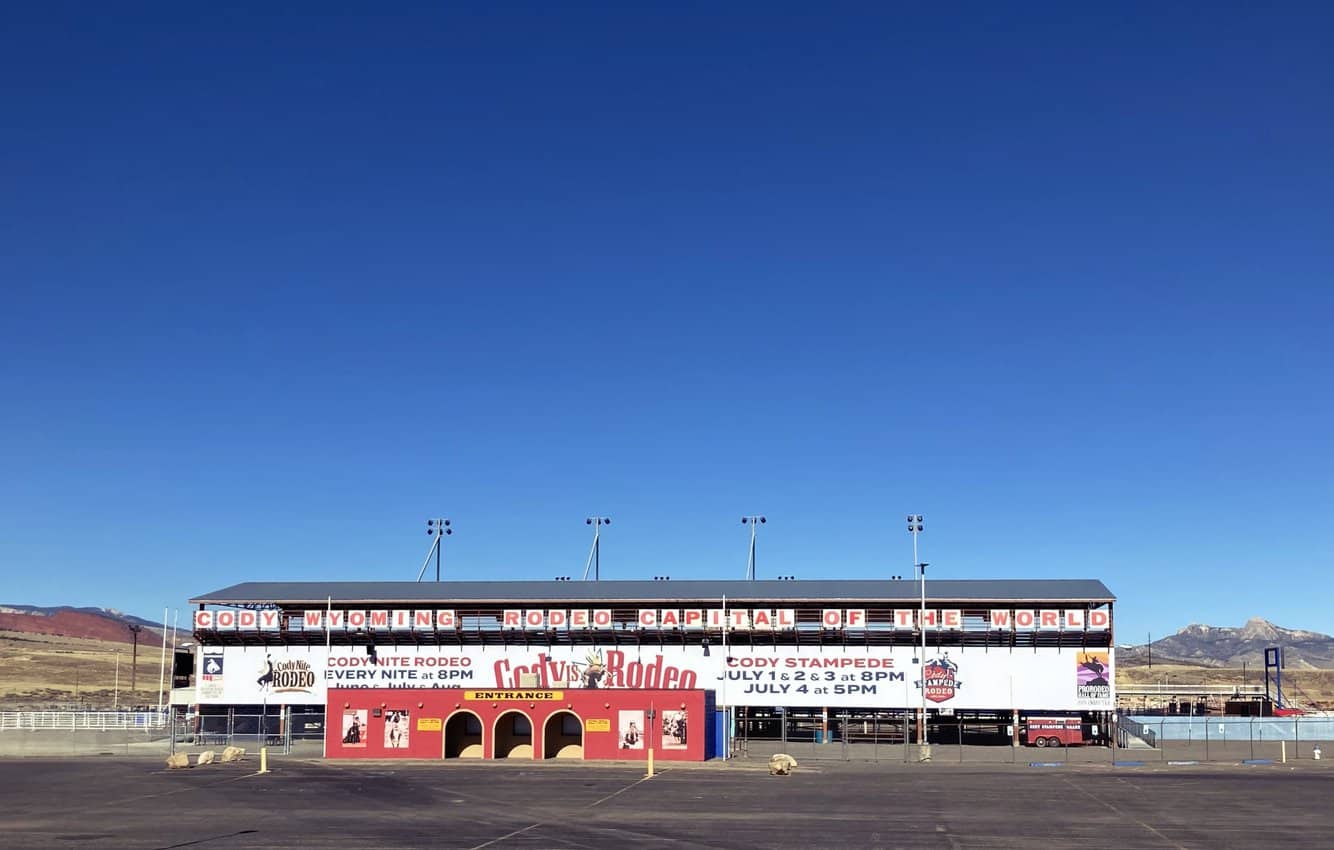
(657, 619)
(502, 696)
(799, 676)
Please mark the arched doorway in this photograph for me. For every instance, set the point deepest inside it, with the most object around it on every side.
(463, 736)
(513, 736)
(563, 736)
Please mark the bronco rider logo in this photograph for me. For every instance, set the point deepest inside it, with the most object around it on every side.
(942, 678)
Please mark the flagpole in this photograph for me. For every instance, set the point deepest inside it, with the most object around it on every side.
(162, 665)
(328, 610)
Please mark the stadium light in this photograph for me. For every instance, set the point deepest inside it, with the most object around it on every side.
(754, 522)
(915, 528)
(438, 529)
(595, 554)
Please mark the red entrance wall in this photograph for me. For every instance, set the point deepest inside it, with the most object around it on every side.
(603, 715)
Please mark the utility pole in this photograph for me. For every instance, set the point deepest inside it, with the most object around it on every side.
(134, 660)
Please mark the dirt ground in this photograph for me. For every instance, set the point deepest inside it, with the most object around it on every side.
(1309, 688)
(44, 671)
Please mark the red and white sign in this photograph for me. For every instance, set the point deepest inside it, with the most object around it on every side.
(662, 619)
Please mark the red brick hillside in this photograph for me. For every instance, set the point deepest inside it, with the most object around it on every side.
(76, 624)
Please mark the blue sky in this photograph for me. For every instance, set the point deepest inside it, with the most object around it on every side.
(279, 286)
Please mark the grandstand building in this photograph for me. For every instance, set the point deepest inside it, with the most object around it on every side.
(997, 649)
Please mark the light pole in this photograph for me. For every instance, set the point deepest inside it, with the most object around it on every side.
(754, 522)
(915, 528)
(595, 554)
(438, 529)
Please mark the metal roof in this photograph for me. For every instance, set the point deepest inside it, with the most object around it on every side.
(292, 593)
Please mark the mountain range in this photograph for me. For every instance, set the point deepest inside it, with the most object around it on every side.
(68, 621)
(1222, 646)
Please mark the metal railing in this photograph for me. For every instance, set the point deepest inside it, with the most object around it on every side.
(892, 737)
(1231, 738)
(96, 721)
(76, 733)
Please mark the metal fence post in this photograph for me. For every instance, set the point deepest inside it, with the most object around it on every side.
(905, 736)
(875, 737)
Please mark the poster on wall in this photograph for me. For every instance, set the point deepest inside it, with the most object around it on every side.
(396, 729)
(674, 729)
(957, 677)
(210, 679)
(1092, 683)
(632, 730)
(354, 728)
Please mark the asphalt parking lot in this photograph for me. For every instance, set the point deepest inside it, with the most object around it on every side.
(122, 803)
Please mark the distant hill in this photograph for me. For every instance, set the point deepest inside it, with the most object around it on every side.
(67, 621)
(1221, 646)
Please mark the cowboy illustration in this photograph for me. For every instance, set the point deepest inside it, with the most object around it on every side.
(265, 673)
(593, 671)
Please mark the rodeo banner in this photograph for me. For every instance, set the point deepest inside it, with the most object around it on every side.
(855, 677)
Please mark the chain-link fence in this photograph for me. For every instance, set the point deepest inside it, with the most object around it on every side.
(1215, 738)
(871, 736)
(284, 729)
(892, 736)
